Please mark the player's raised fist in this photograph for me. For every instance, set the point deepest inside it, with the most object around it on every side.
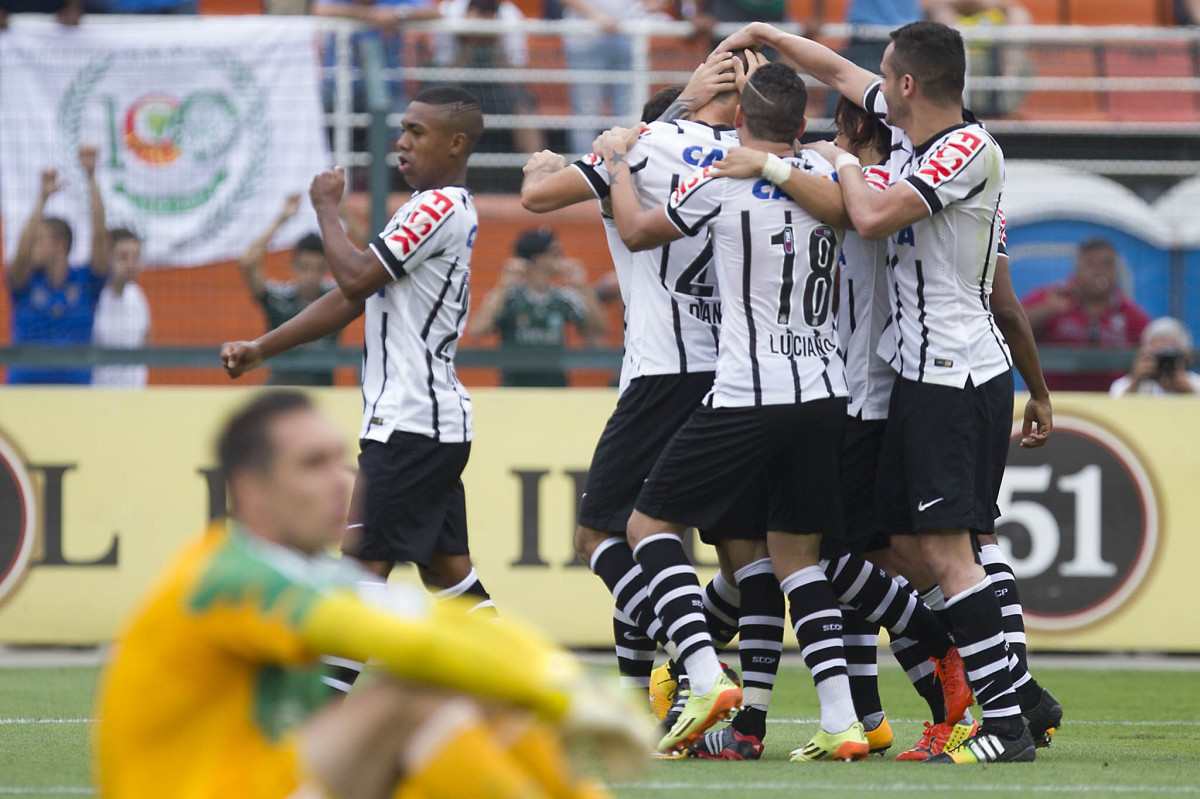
(328, 187)
(50, 182)
(544, 161)
(239, 357)
(87, 159)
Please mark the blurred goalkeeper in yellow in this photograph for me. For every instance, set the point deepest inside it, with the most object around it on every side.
(214, 690)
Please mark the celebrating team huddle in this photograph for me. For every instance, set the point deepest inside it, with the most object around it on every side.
(853, 439)
(818, 377)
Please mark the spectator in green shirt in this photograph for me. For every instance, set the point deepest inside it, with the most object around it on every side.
(281, 300)
(540, 292)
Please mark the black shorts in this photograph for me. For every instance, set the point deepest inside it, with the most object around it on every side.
(648, 413)
(943, 455)
(411, 502)
(860, 462)
(791, 453)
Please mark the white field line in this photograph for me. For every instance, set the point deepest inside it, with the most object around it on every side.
(921, 787)
(1067, 722)
(913, 787)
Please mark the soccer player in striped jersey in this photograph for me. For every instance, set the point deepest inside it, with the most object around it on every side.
(870, 597)
(412, 284)
(671, 330)
(775, 415)
(947, 437)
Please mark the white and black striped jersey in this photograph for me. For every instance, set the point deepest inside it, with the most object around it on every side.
(775, 265)
(941, 267)
(672, 309)
(864, 315)
(622, 260)
(413, 323)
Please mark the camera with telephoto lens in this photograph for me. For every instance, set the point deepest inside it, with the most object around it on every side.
(1168, 362)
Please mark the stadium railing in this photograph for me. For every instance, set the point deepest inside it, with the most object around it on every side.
(1117, 82)
(1054, 359)
(1029, 79)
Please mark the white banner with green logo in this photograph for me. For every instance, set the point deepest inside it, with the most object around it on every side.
(203, 126)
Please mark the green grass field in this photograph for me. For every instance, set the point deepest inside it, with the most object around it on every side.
(1126, 733)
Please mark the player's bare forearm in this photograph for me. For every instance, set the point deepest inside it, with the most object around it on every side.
(816, 59)
(328, 314)
(819, 196)
(633, 221)
(878, 214)
(1014, 325)
(99, 262)
(358, 273)
(548, 187)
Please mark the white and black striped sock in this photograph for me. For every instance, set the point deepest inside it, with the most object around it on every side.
(721, 602)
(860, 641)
(760, 627)
(1004, 583)
(613, 563)
(979, 632)
(678, 602)
(472, 590)
(889, 601)
(635, 651)
(817, 622)
(917, 666)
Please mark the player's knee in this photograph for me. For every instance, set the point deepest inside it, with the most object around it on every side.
(640, 527)
(586, 541)
(444, 571)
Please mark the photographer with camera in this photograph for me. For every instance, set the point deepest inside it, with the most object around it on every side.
(1161, 366)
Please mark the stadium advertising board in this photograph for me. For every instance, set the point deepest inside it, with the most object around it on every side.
(97, 489)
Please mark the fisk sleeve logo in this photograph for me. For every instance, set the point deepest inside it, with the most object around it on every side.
(949, 159)
(877, 177)
(419, 225)
(689, 184)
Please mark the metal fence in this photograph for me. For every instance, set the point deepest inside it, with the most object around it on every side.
(1023, 79)
(1121, 86)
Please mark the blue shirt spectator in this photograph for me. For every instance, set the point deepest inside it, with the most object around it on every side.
(54, 303)
(385, 18)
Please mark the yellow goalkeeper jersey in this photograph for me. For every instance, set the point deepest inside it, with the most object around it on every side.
(212, 673)
(218, 667)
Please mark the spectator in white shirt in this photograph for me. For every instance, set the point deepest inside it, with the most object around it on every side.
(1161, 366)
(122, 313)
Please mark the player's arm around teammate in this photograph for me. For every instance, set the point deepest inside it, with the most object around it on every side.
(549, 185)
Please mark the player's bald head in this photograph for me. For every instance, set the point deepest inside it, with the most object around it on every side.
(457, 110)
